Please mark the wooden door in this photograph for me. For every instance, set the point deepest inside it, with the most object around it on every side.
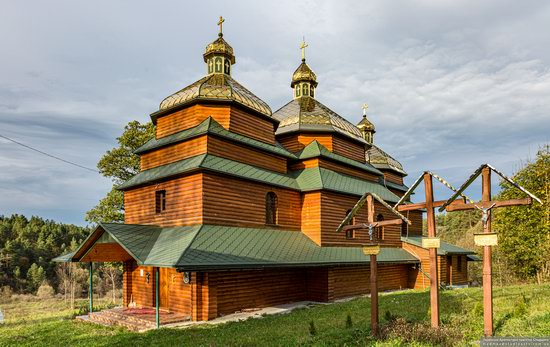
(164, 288)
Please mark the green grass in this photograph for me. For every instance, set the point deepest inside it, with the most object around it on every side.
(519, 311)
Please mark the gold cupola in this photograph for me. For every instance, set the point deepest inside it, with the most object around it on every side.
(219, 54)
(366, 126)
(304, 80)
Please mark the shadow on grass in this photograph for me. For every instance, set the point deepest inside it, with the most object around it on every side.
(500, 323)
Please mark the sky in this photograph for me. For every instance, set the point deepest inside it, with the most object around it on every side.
(450, 84)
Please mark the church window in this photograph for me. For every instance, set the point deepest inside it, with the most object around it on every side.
(160, 201)
(226, 66)
(305, 90)
(298, 90)
(218, 64)
(311, 93)
(380, 230)
(210, 66)
(271, 209)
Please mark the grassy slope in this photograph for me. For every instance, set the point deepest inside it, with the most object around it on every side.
(48, 323)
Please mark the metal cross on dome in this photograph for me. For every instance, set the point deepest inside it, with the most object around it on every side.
(220, 23)
(303, 46)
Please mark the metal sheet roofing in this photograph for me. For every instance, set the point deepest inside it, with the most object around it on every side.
(210, 126)
(444, 249)
(211, 247)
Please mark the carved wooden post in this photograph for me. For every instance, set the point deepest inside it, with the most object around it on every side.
(434, 281)
(487, 254)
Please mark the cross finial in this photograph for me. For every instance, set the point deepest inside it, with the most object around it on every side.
(220, 23)
(303, 48)
(365, 107)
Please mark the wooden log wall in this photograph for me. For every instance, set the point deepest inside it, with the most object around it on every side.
(173, 153)
(348, 148)
(415, 229)
(334, 208)
(348, 281)
(392, 176)
(246, 124)
(102, 252)
(236, 202)
(184, 202)
(450, 273)
(190, 117)
(311, 216)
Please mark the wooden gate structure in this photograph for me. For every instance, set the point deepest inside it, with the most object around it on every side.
(487, 238)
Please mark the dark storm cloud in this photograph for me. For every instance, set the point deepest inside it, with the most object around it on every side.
(450, 84)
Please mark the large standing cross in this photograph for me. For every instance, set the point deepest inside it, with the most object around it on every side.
(487, 238)
(433, 243)
(372, 248)
(220, 23)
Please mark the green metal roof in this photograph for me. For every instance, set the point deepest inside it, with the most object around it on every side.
(211, 127)
(212, 163)
(444, 249)
(211, 247)
(401, 187)
(316, 178)
(315, 149)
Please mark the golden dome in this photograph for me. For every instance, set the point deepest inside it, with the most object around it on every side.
(365, 125)
(308, 114)
(304, 74)
(216, 87)
(382, 160)
(219, 46)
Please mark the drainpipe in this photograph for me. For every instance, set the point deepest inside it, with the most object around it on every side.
(91, 267)
(157, 297)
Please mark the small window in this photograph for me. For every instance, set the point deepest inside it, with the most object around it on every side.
(459, 263)
(350, 234)
(305, 90)
(226, 66)
(311, 92)
(160, 201)
(298, 90)
(218, 63)
(210, 66)
(380, 230)
(271, 212)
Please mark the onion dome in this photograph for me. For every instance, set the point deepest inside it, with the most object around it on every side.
(382, 160)
(304, 80)
(366, 127)
(308, 114)
(218, 85)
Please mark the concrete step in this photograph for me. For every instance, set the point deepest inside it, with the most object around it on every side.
(132, 325)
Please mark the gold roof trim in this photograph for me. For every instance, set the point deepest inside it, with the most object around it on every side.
(382, 160)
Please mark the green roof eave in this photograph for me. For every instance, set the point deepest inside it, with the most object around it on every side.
(211, 127)
(444, 249)
(315, 149)
(316, 178)
(396, 186)
(214, 164)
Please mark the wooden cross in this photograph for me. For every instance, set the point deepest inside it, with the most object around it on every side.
(303, 48)
(487, 239)
(429, 204)
(372, 248)
(220, 23)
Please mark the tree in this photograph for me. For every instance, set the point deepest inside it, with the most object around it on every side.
(112, 272)
(35, 277)
(120, 164)
(524, 232)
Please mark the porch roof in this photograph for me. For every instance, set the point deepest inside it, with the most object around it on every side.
(444, 249)
(213, 247)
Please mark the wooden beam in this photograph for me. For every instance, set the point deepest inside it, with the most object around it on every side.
(421, 205)
(374, 225)
(434, 281)
(487, 255)
(486, 204)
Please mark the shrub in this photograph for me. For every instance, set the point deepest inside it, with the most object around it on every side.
(478, 309)
(45, 291)
(5, 293)
(410, 333)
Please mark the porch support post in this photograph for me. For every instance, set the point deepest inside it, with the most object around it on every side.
(91, 290)
(487, 254)
(157, 313)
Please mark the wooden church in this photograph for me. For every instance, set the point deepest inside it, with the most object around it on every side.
(237, 207)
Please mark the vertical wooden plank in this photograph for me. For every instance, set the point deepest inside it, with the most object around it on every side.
(487, 254)
(434, 282)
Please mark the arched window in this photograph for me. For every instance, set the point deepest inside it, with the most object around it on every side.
(210, 66)
(311, 93)
(298, 90)
(218, 64)
(305, 90)
(350, 234)
(380, 230)
(226, 67)
(271, 210)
